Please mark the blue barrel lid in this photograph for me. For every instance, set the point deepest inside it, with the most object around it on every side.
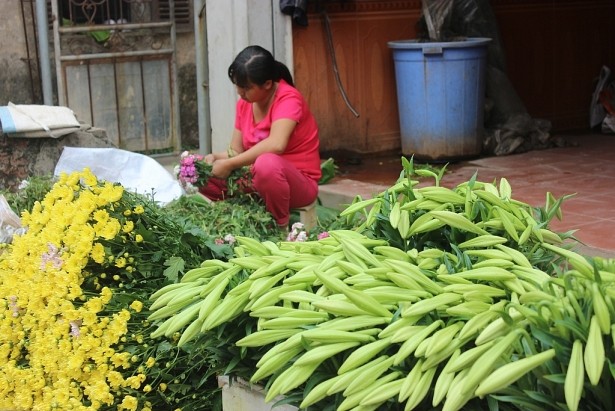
(419, 44)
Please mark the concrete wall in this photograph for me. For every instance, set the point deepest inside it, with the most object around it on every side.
(24, 157)
(15, 85)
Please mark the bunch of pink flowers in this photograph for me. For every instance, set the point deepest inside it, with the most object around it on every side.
(192, 171)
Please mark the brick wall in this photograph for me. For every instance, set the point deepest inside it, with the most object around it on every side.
(23, 157)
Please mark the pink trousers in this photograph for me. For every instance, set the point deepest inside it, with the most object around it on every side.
(279, 183)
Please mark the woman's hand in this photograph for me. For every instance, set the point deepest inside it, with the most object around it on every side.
(209, 158)
(222, 168)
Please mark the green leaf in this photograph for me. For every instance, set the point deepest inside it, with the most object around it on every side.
(408, 165)
(180, 388)
(574, 327)
(522, 402)
(547, 339)
(611, 367)
(231, 365)
(147, 234)
(100, 36)
(157, 256)
(329, 170)
(197, 199)
(556, 378)
(292, 399)
(541, 398)
(442, 171)
(175, 265)
(164, 346)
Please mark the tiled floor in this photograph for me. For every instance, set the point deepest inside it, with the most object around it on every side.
(586, 169)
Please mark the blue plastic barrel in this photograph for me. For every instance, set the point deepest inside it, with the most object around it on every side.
(441, 95)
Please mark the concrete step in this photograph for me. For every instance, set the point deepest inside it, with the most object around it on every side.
(340, 192)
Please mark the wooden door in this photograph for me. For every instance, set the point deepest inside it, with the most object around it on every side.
(115, 65)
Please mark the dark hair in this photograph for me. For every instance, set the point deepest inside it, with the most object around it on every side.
(256, 65)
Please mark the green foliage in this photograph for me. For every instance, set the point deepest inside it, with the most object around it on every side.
(240, 215)
(30, 191)
(329, 170)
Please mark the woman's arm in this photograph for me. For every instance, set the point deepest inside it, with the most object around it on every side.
(276, 143)
(234, 148)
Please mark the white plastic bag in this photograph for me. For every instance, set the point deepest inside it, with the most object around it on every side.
(597, 111)
(608, 124)
(10, 224)
(134, 171)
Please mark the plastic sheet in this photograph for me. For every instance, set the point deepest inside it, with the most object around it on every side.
(10, 224)
(136, 172)
(602, 109)
(597, 110)
(444, 20)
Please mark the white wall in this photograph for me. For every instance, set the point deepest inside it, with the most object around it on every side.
(231, 26)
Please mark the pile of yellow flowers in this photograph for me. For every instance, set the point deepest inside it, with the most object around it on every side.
(60, 342)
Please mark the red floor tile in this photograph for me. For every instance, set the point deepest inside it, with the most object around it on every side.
(586, 169)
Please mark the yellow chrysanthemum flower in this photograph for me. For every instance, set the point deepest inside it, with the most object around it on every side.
(128, 226)
(135, 381)
(98, 253)
(108, 230)
(101, 215)
(106, 294)
(137, 306)
(88, 178)
(111, 192)
(120, 262)
(129, 403)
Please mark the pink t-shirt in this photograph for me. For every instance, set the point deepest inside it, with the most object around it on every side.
(288, 103)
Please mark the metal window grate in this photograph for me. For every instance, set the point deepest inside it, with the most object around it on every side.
(183, 15)
(183, 11)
